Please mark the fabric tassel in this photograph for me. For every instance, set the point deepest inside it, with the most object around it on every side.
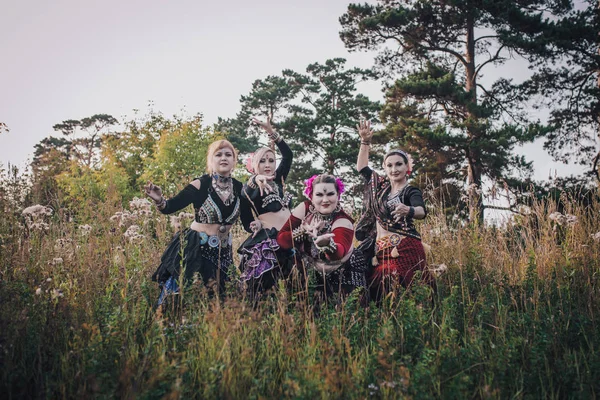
(395, 253)
(374, 261)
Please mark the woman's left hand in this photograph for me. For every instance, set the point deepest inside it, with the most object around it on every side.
(323, 240)
(255, 226)
(400, 211)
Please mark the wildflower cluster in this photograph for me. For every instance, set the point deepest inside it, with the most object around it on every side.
(35, 215)
(562, 219)
(176, 220)
(133, 234)
(84, 230)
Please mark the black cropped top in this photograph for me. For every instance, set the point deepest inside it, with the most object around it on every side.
(275, 200)
(208, 206)
(382, 204)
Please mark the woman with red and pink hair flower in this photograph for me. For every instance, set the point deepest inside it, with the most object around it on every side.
(262, 261)
(322, 234)
(387, 228)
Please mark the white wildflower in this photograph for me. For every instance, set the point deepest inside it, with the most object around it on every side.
(85, 230)
(57, 261)
(175, 222)
(56, 293)
(49, 280)
(39, 226)
(38, 291)
(570, 219)
(133, 234)
(596, 236)
(438, 270)
(562, 219)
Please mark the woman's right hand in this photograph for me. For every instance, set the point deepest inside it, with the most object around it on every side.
(265, 125)
(364, 131)
(262, 181)
(153, 191)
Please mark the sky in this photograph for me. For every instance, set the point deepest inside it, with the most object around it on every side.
(71, 59)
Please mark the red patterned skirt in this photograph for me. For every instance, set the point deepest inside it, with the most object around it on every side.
(399, 266)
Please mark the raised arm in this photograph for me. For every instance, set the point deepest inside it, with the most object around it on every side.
(366, 135)
(286, 161)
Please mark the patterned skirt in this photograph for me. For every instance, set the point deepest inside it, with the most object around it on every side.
(398, 259)
(263, 262)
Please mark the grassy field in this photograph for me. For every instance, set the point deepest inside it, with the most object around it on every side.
(515, 315)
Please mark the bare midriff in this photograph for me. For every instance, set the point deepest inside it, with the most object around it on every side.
(274, 219)
(381, 232)
(211, 229)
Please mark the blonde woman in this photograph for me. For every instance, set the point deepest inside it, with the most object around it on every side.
(218, 204)
(262, 260)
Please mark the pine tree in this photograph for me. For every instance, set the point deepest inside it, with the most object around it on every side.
(316, 112)
(440, 49)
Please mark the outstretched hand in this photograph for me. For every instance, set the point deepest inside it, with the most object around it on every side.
(364, 131)
(153, 191)
(262, 181)
(400, 211)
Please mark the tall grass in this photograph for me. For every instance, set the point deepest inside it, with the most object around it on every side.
(515, 315)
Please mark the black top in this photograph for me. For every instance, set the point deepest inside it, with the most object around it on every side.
(276, 200)
(208, 206)
(384, 205)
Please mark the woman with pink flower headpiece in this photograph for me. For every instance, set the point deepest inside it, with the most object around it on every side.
(262, 261)
(321, 232)
(387, 228)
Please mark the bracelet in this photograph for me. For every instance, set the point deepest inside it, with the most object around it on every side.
(162, 204)
(362, 142)
(330, 247)
(274, 136)
(411, 212)
(252, 182)
(298, 234)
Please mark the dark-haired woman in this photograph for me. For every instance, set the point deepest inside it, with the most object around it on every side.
(392, 205)
(322, 234)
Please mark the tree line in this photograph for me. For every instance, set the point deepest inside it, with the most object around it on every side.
(433, 59)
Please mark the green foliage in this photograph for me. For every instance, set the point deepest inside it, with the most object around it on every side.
(180, 154)
(316, 112)
(515, 315)
(439, 108)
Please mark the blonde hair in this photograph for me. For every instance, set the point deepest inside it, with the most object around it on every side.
(216, 146)
(258, 154)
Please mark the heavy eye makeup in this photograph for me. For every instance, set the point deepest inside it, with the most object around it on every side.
(398, 164)
(320, 194)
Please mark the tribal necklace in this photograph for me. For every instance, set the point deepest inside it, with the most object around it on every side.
(396, 198)
(223, 185)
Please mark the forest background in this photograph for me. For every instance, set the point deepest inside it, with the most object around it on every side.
(515, 312)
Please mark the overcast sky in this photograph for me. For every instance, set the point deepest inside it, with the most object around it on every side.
(71, 59)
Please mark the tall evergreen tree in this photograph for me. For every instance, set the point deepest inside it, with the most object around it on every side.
(316, 111)
(439, 104)
(567, 78)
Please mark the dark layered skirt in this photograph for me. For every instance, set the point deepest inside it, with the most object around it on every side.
(348, 277)
(193, 253)
(263, 262)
